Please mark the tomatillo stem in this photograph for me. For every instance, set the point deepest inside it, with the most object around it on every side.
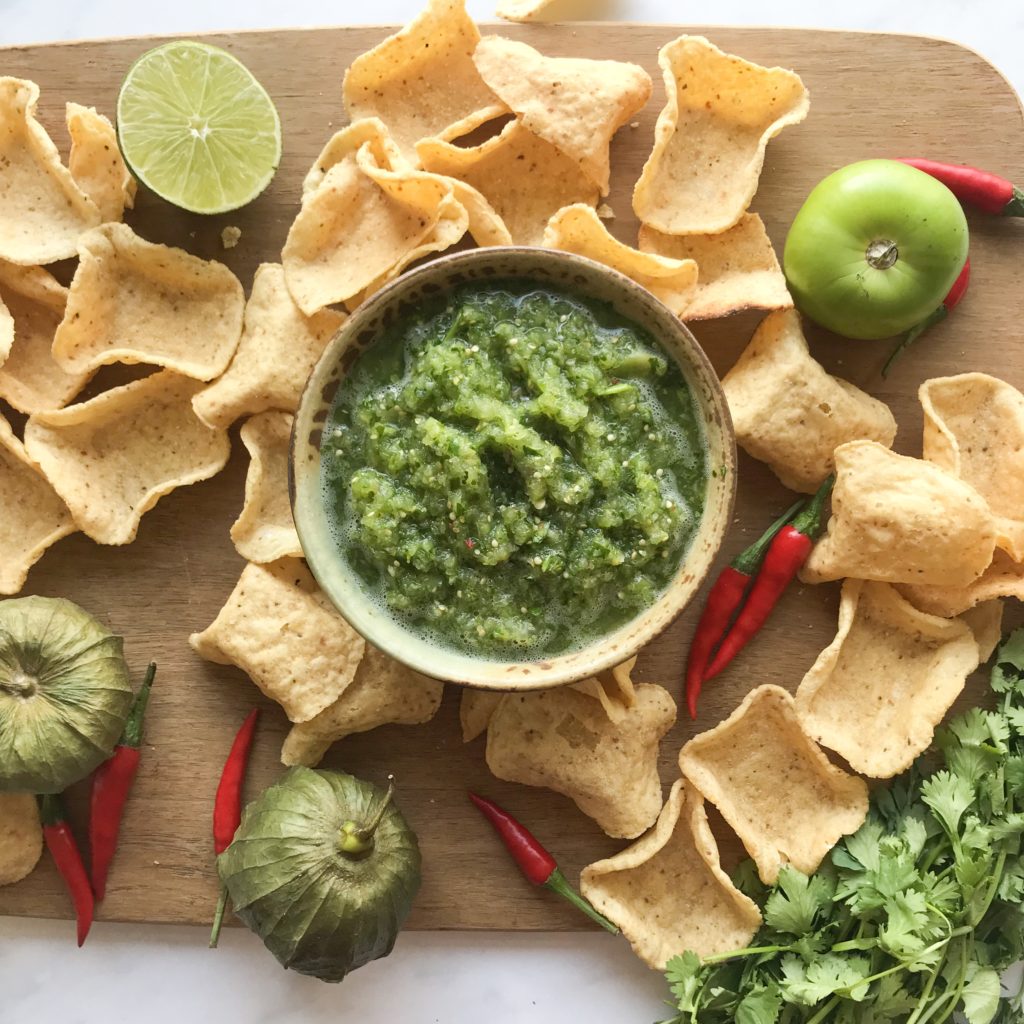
(356, 840)
(882, 254)
(20, 685)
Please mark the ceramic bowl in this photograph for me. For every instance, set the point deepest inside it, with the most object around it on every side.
(546, 267)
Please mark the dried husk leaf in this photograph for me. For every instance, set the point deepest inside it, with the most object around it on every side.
(64, 694)
(42, 210)
(114, 457)
(133, 301)
(383, 692)
(318, 911)
(782, 796)
(737, 268)
(281, 630)
(710, 138)
(667, 892)
(876, 694)
(790, 413)
(565, 741)
(901, 520)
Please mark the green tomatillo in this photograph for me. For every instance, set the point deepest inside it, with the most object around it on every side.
(875, 249)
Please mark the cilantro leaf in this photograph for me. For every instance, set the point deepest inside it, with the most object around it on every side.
(981, 994)
(948, 796)
(1008, 671)
(905, 929)
(797, 901)
(810, 984)
(760, 1005)
(683, 973)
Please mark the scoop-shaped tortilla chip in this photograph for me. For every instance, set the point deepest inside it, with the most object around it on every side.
(524, 178)
(114, 457)
(565, 741)
(382, 692)
(366, 216)
(265, 531)
(421, 82)
(782, 796)
(901, 520)
(790, 413)
(974, 427)
(578, 229)
(133, 301)
(42, 210)
(575, 104)
(346, 142)
(32, 515)
(30, 380)
(476, 708)
(877, 692)
(6, 332)
(277, 353)
(986, 623)
(737, 269)
(520, 10)
(21, 836)
(485, 226)
(668, 893)
(614, 688)
(710, 138)
(1003, 578)
(96, 163)
(279, 628)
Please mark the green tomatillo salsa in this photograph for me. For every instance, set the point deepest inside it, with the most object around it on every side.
(514, 471)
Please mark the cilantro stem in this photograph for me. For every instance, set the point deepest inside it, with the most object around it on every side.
(824, 1011)
(997, 877)
(736, 954)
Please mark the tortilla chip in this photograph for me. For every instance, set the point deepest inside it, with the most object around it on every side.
(782, 796)
(1003, 578)
(368, 213)
(974, 427)
(575, 104)
(901, 520)
(877, 692)
(476, 707)
(485, 226)
(30, 380)
(578, 229)
(279, 348)
(42, 210)
(668, 893)
(710, 138)
(114, 457)
(280, 629)
(96, 163)
(520, 10)
(33, 517)
(21, 836)
(133, 301)
(985, 621)
(790, 413)
(6, 332)
(565, 741)
(382, 692)
(421, 82)
(737, 269)
(614, 689)
(265, 532)
(524, 178)
(344, 144)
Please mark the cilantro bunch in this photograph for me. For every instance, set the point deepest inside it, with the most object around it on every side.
(918, 912)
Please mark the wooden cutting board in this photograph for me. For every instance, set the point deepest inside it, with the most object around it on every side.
(872, 95)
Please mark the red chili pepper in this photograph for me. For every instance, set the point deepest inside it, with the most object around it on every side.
(724, 600)
(949, 303)
(786, 554)
(111, 784)
(227, 806)
(988, 192)
(533, 860)
(60, 841)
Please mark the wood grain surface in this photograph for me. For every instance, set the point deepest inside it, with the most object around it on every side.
(872, 95)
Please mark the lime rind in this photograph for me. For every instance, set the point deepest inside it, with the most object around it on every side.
(197, 128)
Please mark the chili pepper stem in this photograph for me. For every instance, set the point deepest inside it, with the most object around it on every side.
(747, 561)
(132, 736)
(933, 318)
(1015, 207)
(558, 883)
(218, 916)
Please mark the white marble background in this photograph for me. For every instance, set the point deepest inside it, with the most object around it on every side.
(165, 975)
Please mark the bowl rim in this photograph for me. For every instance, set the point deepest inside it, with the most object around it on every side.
(597, 655)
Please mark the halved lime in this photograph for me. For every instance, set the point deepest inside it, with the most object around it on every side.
(197, 128)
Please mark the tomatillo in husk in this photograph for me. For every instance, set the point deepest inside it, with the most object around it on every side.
(64, 694)
(324, 869)
(875, 249)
